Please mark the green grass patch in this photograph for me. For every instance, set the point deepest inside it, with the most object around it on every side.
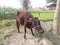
(6, 27)
(44, 14)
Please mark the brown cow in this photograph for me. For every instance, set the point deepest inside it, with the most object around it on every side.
(26, 19)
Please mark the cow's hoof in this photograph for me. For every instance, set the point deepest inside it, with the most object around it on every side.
(24, 37)
(33, 34)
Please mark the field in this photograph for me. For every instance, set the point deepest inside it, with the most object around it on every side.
(44, 15)
(6, 20)
(8, 14)
(9, 35)
(9, 26)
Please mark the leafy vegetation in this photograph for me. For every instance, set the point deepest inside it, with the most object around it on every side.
(8, 14)
(6, 27)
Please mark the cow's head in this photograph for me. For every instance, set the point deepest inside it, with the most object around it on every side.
(39, 29)
(37, 25)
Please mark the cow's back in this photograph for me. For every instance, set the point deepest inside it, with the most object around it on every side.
(22, 16)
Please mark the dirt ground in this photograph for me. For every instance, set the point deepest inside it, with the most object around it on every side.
(47, 39)
(18, 39)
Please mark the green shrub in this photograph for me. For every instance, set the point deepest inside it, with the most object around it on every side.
(6, 23)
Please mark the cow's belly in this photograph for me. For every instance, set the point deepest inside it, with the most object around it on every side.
(22, 21)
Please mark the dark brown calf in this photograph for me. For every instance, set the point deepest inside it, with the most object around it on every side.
(26, 19)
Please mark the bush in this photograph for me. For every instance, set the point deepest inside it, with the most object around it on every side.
(7, 13)
(6, 23)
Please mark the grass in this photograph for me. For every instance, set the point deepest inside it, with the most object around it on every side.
(6, 27)
(44, 15)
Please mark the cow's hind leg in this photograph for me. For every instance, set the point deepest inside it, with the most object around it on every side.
(18, 25)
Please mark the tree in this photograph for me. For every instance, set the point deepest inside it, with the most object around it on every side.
(25, 4)
(56, 22)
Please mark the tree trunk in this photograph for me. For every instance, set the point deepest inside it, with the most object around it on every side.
(56, 22)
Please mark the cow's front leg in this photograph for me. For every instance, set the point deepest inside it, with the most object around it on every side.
(18, 25)
(25, 32)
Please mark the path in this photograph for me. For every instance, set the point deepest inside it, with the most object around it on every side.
(17, 39)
